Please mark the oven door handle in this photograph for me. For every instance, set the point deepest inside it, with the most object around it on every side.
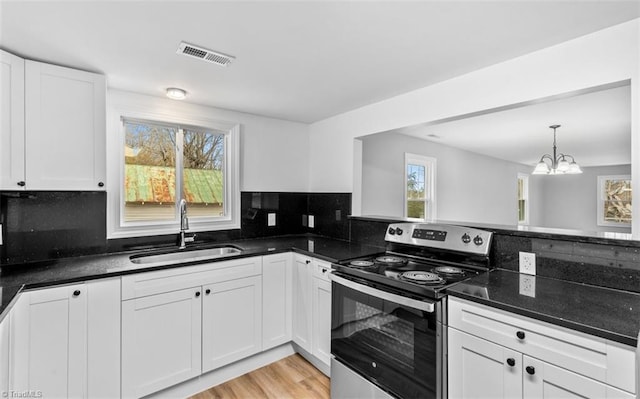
(426, 306)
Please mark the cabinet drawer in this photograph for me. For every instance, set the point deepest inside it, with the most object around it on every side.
(144, 284)
(594, 357)
(321, 269)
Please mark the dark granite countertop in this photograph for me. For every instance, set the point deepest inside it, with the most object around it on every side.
(603, 312)
(15, 278)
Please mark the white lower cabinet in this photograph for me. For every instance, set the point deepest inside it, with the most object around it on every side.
(312, 307)
(231, 321)
(179, 323)
(322, 313)
(479, 369)
(58, 343)
(4, 354)
(161, 341)
(277, 280)
(302, 301)
(497, 354)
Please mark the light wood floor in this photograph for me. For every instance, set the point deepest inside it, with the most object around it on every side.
(292, 377)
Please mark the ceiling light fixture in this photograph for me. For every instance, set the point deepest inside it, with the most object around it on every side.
(176, 94)
(559, 163)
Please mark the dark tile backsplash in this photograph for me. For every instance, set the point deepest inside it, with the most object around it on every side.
(46, 225)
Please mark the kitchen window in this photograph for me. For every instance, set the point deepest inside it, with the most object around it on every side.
(419, 198)
(614, 200)
(523, 199)
(162, 162)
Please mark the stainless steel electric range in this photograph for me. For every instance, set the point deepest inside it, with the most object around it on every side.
(388, 311)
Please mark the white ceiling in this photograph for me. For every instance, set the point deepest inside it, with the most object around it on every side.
(297, 60)
(595, 129)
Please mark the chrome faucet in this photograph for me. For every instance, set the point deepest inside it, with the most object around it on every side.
(184, 225)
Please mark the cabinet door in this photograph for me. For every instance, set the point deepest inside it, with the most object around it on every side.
(302, 302)
(481, 369)
(103, 338)
(544, 380)
(49, 339)
(11, 121)
(322, 320)
(161, 341)
(64, 128)
(4, 354)
(231, 321)
(276, 299)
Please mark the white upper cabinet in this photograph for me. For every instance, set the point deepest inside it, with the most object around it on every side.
(52, 127)
(11, 121)
(65, 128)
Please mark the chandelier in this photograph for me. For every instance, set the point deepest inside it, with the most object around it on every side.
(557, 164)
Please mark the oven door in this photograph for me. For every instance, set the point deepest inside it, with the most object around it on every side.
(391, 340)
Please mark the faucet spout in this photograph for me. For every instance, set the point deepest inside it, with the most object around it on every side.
(184, 225)
(184, 220)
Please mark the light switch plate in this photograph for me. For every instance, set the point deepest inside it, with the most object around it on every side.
(271, 219)
(312, 221)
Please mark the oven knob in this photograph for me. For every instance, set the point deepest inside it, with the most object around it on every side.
(478, 240)
(392, 231)
(399, 231)
(466, 238)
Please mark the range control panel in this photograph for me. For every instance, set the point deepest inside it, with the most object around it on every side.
(441, 236)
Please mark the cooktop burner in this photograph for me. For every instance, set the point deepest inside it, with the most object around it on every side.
(392, 260)
(362, 264)
(421, 277)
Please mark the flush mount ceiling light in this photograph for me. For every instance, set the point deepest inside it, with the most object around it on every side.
(176, 94)
(557, 163)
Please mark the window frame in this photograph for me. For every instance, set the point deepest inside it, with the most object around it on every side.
(600, 221)
(118, 228)
(430, 165)
(525, 193)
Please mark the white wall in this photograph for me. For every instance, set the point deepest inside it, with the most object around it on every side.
(469, 187)
(274, 153)
(570, 202)
(606, 56)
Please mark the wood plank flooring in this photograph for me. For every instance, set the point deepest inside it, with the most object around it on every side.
(292, 377)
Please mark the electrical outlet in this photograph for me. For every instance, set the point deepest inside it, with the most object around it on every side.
(528, 285)
(271, 219)
(528, 263)
(312, 222)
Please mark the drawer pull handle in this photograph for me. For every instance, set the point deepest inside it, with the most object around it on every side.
(520, 334)
(207, 291)
(531, 370)
(197, 294)
(511, 361)
(76, 293)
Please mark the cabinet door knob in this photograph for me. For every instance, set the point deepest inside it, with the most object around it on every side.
(531, 370)
(100, 184)
(520, 334)
(207, 291)
(307, 261)
(324, 270)
(21, 183)
(511, 361)
(197, 294)
(76, 293)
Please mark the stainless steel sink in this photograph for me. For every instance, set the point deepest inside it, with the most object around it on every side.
(187, 256)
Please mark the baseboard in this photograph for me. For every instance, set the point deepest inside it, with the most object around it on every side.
(325, 368)
(226, 373)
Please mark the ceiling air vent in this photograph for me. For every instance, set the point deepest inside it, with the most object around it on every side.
(204, 54)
